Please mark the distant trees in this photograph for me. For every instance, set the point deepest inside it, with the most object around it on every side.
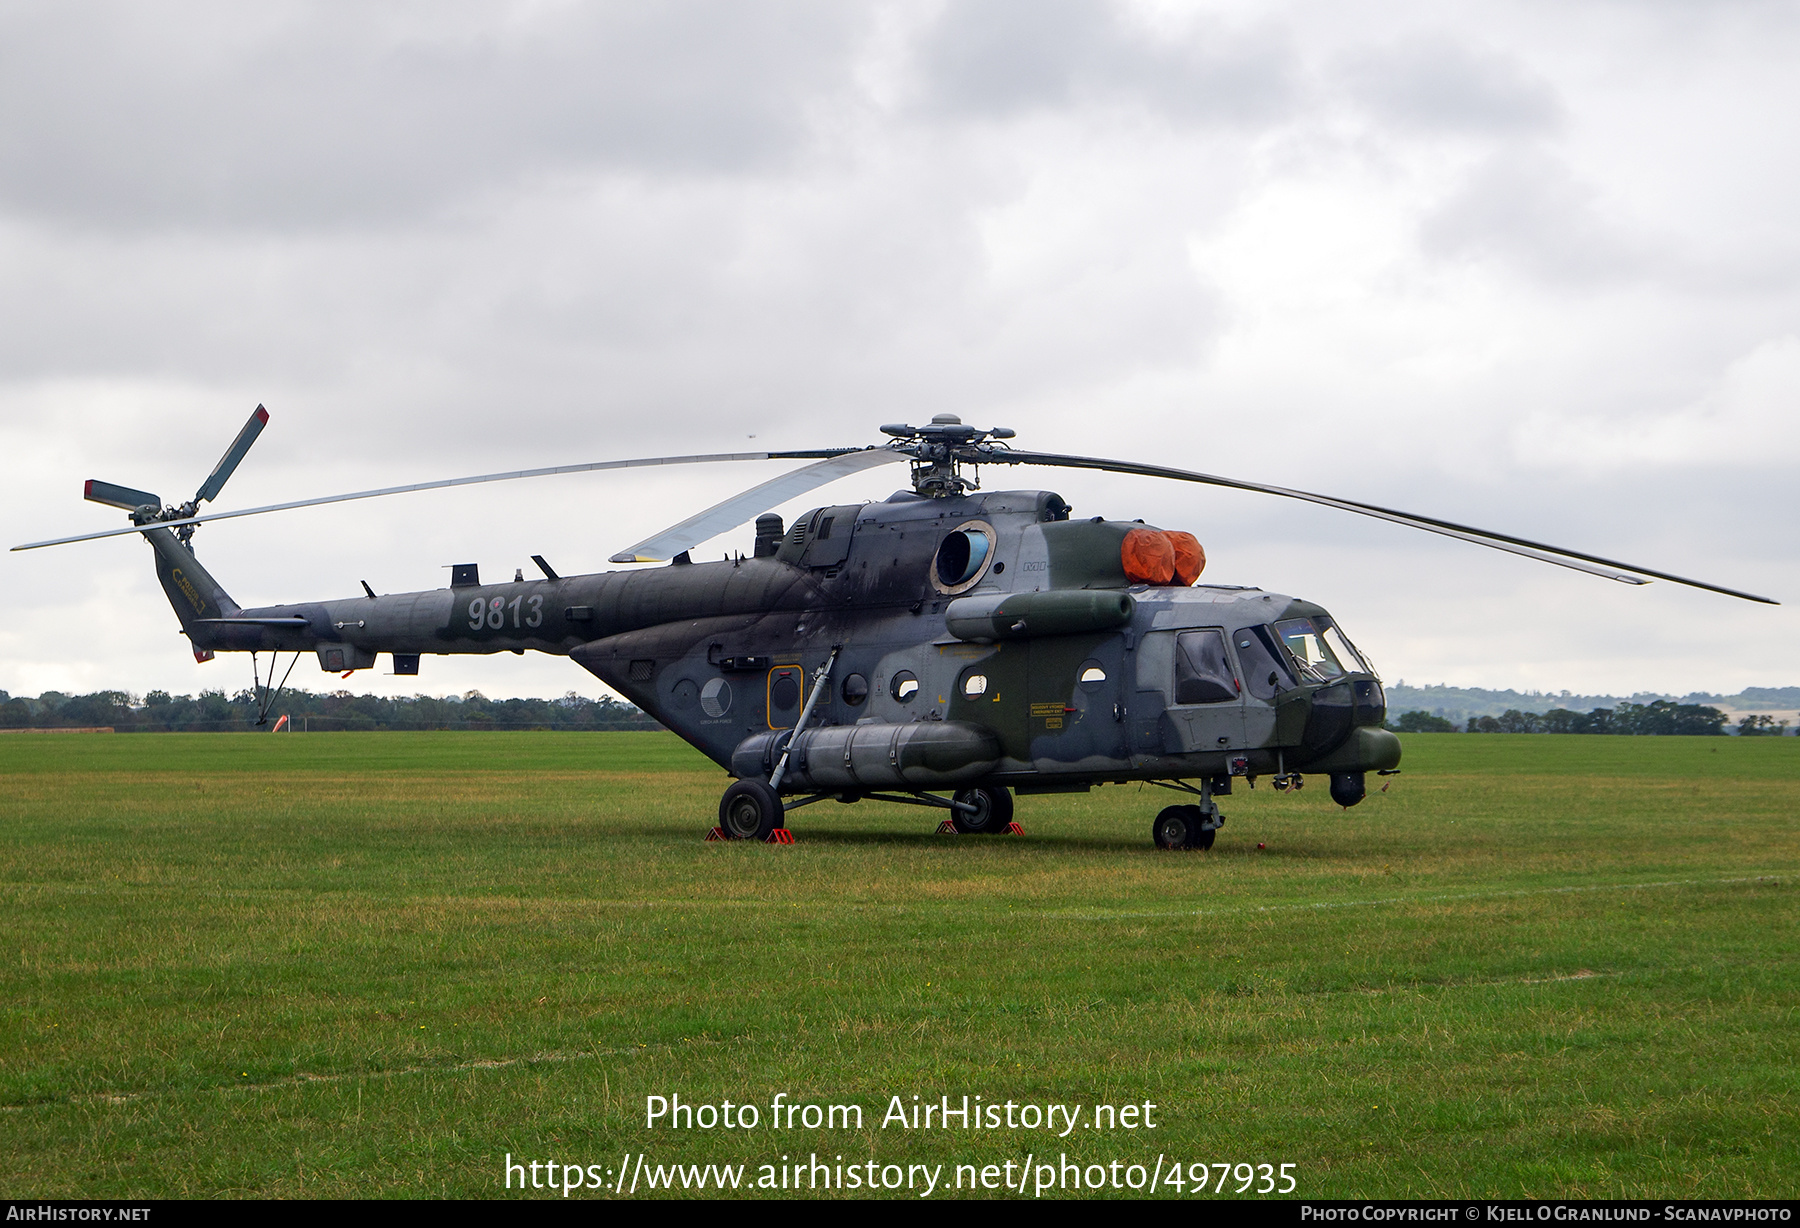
(1662, 716)
(215, 711)
(1423, 722)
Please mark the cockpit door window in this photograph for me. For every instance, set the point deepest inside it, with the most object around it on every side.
(1202, 670)
(1265, 673)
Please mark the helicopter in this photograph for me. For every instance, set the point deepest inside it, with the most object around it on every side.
(944, 647)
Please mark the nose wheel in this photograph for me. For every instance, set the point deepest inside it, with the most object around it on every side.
(1186, 827)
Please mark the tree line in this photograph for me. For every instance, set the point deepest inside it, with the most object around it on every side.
(1660, 716)
(1458, 704)
(216, 711)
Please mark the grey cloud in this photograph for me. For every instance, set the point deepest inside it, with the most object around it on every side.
(128, 116)
(621, 315)
(997, 58)
(1435, 82)
(1525, 208)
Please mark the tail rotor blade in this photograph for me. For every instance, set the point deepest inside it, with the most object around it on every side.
(123, 497)
(234, 455)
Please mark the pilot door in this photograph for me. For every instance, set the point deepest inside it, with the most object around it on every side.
(1191, 674)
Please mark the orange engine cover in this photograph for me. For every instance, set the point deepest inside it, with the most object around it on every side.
(1190, 557)
(1157, 556)
(1148, 556)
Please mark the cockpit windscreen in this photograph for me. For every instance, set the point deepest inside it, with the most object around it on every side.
(1320, 649)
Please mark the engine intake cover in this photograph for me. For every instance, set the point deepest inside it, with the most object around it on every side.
(1015, 616)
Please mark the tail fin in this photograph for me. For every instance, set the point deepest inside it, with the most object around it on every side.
(191, 590)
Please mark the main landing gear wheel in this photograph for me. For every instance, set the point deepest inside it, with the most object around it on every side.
(1179, 827)
(750, 810)
(993, 811)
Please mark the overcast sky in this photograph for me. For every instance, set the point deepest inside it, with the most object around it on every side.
(1531, 266)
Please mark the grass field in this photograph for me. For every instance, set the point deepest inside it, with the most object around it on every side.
(376, 964)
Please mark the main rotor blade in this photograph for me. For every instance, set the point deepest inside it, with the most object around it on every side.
(1541, 551)
(734, 511)
(470, 481)
(234, 455)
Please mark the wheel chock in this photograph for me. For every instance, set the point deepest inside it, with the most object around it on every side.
(947, 828)
(780, 835)
(1013, 829)
(717, 833)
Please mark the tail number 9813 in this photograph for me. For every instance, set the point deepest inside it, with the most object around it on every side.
(492, 613)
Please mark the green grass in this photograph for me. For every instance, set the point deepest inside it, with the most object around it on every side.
(375, 964)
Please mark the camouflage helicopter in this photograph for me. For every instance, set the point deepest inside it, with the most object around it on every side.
(943, 647)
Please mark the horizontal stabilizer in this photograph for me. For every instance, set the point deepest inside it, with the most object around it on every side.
(291, 621)
(124, 497)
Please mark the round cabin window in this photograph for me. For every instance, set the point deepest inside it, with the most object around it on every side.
(1092, 675)
(904, 686)
(973, 685)
(685, 694)
(855, 690)
(784, 693)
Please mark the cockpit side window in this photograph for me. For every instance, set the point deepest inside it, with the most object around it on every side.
(1265, 673)
(1202, 670)
(1340, 644)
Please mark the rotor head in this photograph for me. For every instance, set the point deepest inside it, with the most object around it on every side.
(941, 449)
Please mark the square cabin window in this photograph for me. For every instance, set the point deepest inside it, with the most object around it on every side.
(1202, 670)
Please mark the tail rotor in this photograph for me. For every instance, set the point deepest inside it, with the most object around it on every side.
(146, 507)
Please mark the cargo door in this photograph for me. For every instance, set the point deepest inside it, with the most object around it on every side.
(1076, 714)
(1155, 668)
